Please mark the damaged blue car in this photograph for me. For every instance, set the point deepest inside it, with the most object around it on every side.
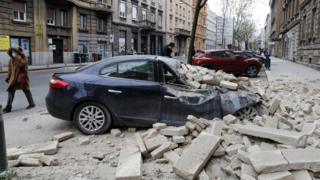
(138, 91)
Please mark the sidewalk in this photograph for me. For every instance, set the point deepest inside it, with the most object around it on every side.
(287, 70)
(47, 67)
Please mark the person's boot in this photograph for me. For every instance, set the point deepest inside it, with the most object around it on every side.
(30, 99)
(8, 107)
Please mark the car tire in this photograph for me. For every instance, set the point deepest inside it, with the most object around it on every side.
(252, 71)
(92, 118)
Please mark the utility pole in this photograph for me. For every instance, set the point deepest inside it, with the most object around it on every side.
(3, 149)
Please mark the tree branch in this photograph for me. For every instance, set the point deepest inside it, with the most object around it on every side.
(203, 4)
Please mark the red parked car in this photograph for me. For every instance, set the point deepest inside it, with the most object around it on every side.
(228, 61)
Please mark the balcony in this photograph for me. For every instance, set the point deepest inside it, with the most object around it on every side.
(179, 31)
(101, 6)
(147, 24)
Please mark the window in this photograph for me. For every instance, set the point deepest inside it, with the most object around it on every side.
(152, 17)
(229, 54)
(63, 18)
(144, 14)
(19, 11)
(82, 48)
(160, 20)
(123, 9)
(138, 70)
(216, 54)
(110, 71)
(83, 21)
(134, 12)
(51, 17)
(101, 27)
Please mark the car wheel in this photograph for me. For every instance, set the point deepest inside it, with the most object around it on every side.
(252, 71)
(92, 118)
(248, 113)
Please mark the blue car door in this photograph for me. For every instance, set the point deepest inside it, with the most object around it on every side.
(132, 93)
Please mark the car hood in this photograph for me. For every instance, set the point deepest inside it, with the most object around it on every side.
(228, 102)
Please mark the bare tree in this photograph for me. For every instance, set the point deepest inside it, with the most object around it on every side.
(226, 12)
(244, 25)
(199, 5)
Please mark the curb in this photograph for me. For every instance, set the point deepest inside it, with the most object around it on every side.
(45, 68)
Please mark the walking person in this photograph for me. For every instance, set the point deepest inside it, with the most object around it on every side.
(267, 64)
(168, 49)
(18, 78)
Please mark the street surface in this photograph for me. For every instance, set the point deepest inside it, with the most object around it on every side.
(25, 127)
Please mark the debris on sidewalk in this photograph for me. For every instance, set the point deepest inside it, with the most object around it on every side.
(63, 136)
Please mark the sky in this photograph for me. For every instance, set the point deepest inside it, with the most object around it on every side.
(260, 10)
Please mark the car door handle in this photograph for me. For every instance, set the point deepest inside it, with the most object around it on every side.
(114, 91)
(170, 97)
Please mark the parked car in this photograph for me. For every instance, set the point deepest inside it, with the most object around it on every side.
(136, 91)
(254, 54)
(228, 61)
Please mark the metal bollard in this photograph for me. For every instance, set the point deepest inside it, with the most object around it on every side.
(3, 149)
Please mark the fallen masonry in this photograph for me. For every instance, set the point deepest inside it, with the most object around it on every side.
(278, 135)
(130, 162)
(195, 156)
(49, 148)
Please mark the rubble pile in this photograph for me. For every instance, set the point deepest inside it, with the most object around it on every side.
(203, 78)
(274, 146)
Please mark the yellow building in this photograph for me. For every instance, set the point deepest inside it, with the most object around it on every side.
(200, 40)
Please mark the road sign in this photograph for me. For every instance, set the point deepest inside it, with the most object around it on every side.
(4, 42)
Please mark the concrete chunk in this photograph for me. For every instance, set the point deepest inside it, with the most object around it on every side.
(233, 149)
(196, 121)
(63, 136)
(203, 175)
(141, 144)
(215, 128)
(230, 119)
(229, 85)
(158, 153)
(274, 105)
(278, 135)
(178, 139)
(130, 163)
(301, 175)
(219, 152)
(303, 159)
(174, 131)
(115, 132)
(159, 126)
(172, 156)
(49, 160)
(29, 162)
(191, 126)
(284, 175)
(268, 161)
(155, 142)
(48, 148)
(196, 156)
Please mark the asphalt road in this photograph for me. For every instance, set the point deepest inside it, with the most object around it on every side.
(39, 84)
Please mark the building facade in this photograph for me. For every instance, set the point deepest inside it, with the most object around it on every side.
(290, 29)
(309, 36)
(58, 31)
(267, 29)
(17, 28)
(295, 31)
(178, 24)
(200, 40)
(277, 21)
(211, 37)
(138, 27)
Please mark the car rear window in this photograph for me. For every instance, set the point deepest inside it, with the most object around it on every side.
(199, 54)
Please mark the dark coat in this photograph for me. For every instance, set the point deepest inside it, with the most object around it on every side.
(167, 51)
(16, 66)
